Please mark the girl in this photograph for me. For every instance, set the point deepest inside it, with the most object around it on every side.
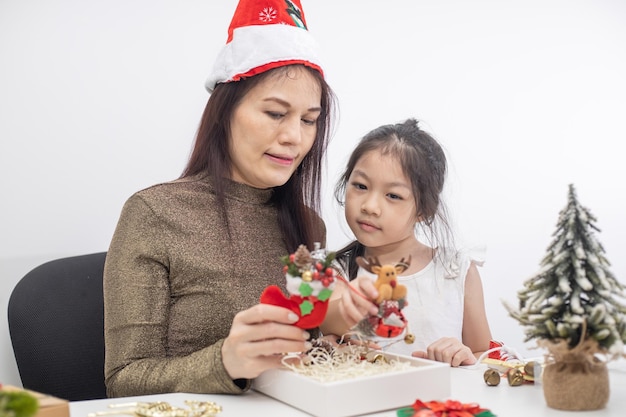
(392, 188)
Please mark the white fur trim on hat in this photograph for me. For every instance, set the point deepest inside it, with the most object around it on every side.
(258, 45)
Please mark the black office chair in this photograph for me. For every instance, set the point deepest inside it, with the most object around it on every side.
(56, 323)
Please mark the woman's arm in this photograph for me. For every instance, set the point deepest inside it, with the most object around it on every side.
(137, 304)
(153, 321)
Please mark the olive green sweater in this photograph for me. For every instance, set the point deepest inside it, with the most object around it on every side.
(174, 280)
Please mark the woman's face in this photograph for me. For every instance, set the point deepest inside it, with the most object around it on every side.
(274, 127)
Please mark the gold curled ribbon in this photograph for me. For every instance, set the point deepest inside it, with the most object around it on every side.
(163, 409)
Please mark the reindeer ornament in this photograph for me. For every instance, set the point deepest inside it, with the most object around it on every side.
(389, 322)
(387, 281)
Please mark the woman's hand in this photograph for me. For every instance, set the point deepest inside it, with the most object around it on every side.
(449, 350)
(258, 339)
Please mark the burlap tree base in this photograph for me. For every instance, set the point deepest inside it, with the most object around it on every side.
(574, 379)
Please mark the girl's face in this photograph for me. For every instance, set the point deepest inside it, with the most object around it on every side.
(274, 127)
(380, 205)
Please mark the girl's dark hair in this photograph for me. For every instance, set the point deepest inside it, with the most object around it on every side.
(423, 161)
(298, 200)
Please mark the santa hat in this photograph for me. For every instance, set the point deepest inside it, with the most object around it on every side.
(264, 34)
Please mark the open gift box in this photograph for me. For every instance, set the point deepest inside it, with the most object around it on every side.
(359, 395)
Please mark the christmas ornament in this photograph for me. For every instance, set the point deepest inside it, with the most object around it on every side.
(492, 377)
(502, 360)
(515, 377)
(310, 283)
(389, 322)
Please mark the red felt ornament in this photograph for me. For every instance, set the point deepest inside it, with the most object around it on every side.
(310, 282)
(308, 319)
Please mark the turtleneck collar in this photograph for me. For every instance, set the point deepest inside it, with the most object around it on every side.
(238, 191)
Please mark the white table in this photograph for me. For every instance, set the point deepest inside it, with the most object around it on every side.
(467, 386)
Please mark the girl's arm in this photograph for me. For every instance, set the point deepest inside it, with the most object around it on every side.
(349, 304)
(476, 333)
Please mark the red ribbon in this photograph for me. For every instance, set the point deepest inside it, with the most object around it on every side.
(449, 408)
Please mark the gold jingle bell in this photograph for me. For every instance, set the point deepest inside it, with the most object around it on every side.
(529, 369)
(492, 377)
(409, 338)
(307, 276)
(375, 357)
(515, 377)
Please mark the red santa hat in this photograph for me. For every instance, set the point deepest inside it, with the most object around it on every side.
(262, 35)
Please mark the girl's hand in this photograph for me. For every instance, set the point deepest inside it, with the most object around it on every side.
(449, 350)
(258, 339)
(356, 300)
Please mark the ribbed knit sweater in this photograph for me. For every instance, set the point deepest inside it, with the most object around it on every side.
(174, 280)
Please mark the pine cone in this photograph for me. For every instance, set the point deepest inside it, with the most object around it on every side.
(302, 257)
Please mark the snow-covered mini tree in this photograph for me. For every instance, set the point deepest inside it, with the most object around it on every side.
(576, 309)
(574, 291)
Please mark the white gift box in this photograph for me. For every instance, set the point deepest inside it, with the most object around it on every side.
(424, 379)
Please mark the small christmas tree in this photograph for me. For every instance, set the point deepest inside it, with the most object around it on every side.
(574, 297)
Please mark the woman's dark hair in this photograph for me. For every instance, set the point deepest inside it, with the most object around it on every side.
(298, 201)
(423, 161)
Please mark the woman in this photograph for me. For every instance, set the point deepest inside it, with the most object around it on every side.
(190, 258)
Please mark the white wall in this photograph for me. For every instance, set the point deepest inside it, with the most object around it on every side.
(101, 98)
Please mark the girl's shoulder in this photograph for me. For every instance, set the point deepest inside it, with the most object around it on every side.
(456, 261)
